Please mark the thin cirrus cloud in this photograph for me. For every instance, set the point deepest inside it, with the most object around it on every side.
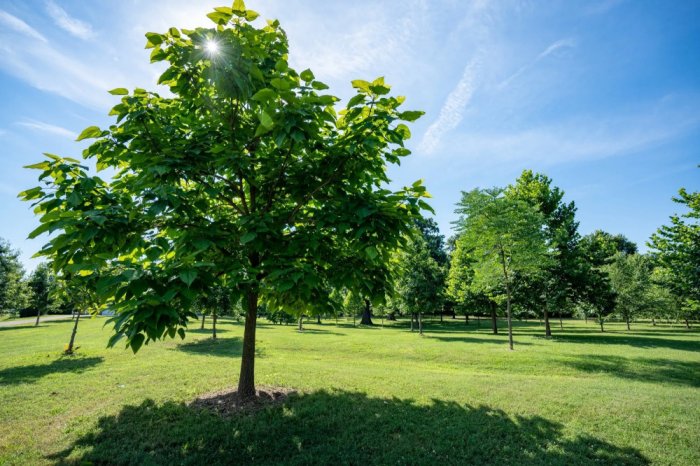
(17, 25)
(73, 26)
(552, 48)
(452, 110)
(44, 127)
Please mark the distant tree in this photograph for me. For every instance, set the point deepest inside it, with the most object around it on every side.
(421, 284)
(630, 278)
(14, 294)
(245, 171)
(676, 248)
(44, 291)
(560, 284)
(506, 236)
(600, 247)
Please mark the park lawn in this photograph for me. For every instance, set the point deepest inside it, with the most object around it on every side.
(378, 395)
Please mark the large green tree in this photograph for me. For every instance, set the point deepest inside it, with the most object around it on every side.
(44, 291)
(560, 284)
(630, 278)
(244, 172)
(505, 236)
(676, 248)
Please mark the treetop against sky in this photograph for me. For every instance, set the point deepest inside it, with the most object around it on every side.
(601, 95)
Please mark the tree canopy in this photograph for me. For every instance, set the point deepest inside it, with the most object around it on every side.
(246, 172)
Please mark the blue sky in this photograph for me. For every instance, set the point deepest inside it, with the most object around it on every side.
(601, 95)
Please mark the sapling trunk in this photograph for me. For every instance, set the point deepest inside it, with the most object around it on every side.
(213, 325)
(466, 319)
(38, 314)
(547, 328)
(201, 326)
(412, 315)
(561, 322)
(687, 323)
(301, 325)
(318, 320)
(627, 320)
(420, 323)
(246, 381)
(653, 322)
(69, 350)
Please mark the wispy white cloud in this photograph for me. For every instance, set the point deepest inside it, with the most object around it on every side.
(17, 25)
(452, 111)
(578, 138)
(46, 128)
(551, 48)
(66, 22)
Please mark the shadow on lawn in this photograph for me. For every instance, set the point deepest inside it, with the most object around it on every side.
(226, 347)
(29, 374)
(642, 369)
(337, 428)
(629, 339)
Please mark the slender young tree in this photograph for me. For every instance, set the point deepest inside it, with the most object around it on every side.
(246, 171)
(506, 236)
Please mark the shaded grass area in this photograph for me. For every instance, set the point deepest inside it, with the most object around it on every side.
(338, 427)
(379, 395)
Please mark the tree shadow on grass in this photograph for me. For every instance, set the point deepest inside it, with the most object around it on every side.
(29, 374)
(641, 369)
(320, 331)
(629, 339)
(224, 347)
(500, 339)
(337, 427)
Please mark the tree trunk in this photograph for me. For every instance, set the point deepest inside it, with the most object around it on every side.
(318, 319)
(69, 350)
(510, 321)
(600, 321)
(246, 381)
(354, 318)
(213, 325)
(301, 324)
(585, 317)
(391, 316)
(201, 327)
(627, 320)
(653, 322)
(420, 323)
(38, 314)
(494, 320)
(561, 323)
(367, 314)
(466, 319)
(547, 328)
(687, 323)
(412, 315)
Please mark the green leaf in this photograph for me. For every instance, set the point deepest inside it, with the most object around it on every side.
(371, 252)
(266, 120)
(264, 95)
(153, 39)
(248, 237)
(90, 132)
(251, 15)
(188, 276)
(181, 332)
(403, 131)
(411, 115)
(319, 86)
(359, 98)
(361, 85)
(239, 6)
(136, 342)
(307, 75)
(119, 91)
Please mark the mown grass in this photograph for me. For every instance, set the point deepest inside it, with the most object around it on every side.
(365, 396)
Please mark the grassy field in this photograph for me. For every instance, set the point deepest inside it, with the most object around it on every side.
(365, 396)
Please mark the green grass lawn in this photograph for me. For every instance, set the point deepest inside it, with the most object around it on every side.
(365, 396)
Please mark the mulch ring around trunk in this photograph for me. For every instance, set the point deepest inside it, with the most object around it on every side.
(227, 402)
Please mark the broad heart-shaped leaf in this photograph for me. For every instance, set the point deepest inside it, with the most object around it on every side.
(361, 84)
(119, 91)
(188, 276)
(266, 120)
(307, 75)
(238, 6)
(248, 237)
(90, 132)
